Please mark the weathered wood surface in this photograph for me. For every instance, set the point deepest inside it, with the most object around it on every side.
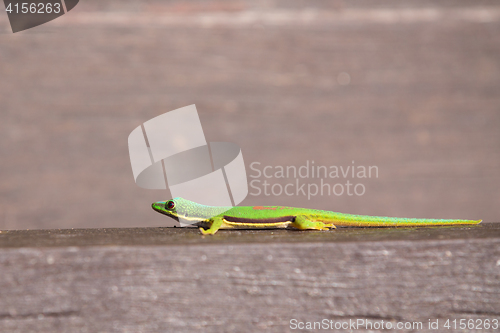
(173, 279)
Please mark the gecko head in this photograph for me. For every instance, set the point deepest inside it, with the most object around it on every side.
(169, 207)
(177, 208)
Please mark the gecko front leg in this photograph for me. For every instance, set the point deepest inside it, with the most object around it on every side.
(216, 223)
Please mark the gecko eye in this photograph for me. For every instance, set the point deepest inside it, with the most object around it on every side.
(170, 205)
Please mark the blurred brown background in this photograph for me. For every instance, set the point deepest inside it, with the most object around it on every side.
(412, 87)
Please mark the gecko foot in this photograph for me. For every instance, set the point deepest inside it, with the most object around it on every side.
(301, 222)
(207, 232)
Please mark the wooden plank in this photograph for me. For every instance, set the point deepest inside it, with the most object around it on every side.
(172, 279)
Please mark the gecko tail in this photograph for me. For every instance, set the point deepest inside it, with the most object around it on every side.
(380, 221)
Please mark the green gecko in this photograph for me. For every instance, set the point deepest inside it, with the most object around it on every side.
(212, 218)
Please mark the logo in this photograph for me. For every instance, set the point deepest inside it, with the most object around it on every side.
(25, 14)
(171, 149)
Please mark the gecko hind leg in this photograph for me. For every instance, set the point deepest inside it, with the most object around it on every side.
(216, 223)
(301, 222)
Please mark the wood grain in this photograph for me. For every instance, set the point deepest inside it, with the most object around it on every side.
(172, 279)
